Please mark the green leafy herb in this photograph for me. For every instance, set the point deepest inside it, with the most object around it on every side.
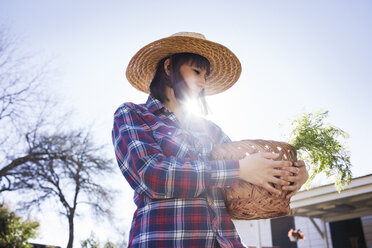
(319, 145)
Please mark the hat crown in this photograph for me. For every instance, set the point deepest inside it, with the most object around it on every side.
(225, 67)
(190, 34)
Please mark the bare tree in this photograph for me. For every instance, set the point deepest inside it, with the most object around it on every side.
(66, 168)
(41, 156)
(20, 84)
(23, 107)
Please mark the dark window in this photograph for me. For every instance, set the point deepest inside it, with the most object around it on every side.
(347, 234)
(279, 232)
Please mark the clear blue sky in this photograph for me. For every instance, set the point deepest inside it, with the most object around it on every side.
(296, 56)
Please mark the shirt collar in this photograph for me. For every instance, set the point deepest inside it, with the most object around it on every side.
(153, 104)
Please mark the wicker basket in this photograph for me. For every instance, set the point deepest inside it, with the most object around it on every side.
(247, 201)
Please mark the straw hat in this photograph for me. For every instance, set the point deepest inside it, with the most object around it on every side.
(225, 67)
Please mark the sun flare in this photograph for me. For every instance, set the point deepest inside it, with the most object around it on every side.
(193, 106)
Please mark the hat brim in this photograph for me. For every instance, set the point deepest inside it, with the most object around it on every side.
(225, 67)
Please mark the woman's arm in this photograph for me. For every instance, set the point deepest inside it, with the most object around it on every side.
(260, 168)
(150, 172)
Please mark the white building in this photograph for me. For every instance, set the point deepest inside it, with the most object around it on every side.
(327, 218)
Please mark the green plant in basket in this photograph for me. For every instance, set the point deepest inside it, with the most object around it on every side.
(320, 146)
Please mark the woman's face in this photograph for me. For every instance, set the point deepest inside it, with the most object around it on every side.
(194, 77)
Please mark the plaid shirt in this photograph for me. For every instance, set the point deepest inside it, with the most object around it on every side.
(177, 189)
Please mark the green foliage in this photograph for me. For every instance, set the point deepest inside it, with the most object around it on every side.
(93, 242)
(90, 242)
(319, 145)
(109, 245)
(13, 231)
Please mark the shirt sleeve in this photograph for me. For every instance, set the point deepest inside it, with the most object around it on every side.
(150, 172)
(219, 136)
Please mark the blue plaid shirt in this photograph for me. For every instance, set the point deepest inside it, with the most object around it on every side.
(177, 188)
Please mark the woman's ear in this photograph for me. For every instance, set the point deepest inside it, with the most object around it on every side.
(167, 67)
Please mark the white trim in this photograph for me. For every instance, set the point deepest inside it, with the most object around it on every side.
(327, 203)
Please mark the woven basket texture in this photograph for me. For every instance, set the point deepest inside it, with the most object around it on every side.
(247, 201)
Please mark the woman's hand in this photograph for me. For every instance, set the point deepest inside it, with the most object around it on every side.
(260, 169)
(298, 178)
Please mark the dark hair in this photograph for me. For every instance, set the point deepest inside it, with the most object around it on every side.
(175, 80)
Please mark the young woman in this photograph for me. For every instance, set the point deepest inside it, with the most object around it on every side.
(164, 151)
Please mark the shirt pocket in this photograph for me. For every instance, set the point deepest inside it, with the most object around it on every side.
(172, 141)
